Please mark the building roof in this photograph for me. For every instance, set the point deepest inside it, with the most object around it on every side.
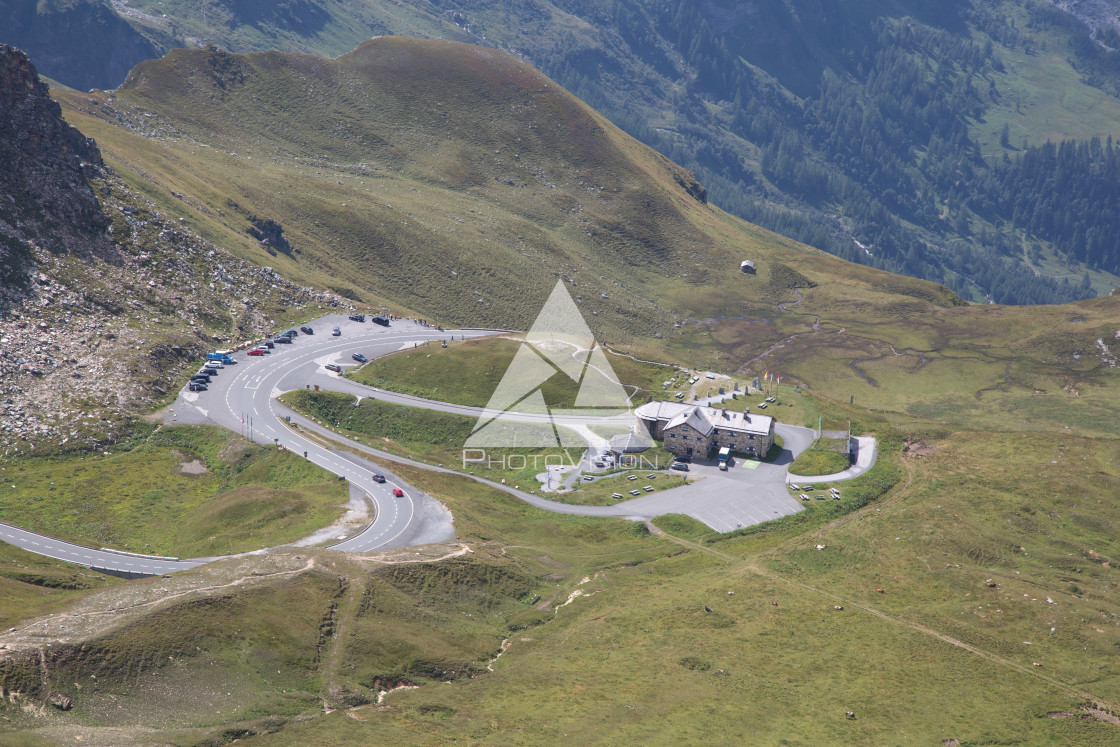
(625, 443)
(661, 410)
(704, 419)
(694, 418)
(737, 421)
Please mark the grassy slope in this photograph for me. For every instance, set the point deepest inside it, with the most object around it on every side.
(776, 662)
(468, 372)
(33, 585)
(268, 651)
(143, 500)
(426, 435)
(817, 462)
(774, 655)
(587, 204)
(1041, 94)
(790, 671)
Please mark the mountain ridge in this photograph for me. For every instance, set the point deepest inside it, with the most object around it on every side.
(387, 186)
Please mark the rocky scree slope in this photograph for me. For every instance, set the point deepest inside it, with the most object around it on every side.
(107, 303)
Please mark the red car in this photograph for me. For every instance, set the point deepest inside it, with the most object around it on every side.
(256, 351)
(398, 492)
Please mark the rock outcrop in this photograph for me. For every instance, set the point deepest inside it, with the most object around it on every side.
(45, 166)
(106, 304)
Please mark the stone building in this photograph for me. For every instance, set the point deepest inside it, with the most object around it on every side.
(694, 430)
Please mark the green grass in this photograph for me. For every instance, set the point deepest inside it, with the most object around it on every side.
(673, 650)
(1016, 510)
(468, 372)
(465, 372)
(427, 435)
(149, 500)
(816, 461)
(601, 492)
(1029, 504)
(466, 232)
(680, 525)
(32, 585)
(671, 631)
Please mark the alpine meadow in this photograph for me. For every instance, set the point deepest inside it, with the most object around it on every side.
(261, 290)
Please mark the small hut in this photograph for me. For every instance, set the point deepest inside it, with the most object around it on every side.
(629, 443)
(747, 266)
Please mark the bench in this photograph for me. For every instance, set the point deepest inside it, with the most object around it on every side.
(648, 488)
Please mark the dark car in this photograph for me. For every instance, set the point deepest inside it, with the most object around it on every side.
(268, 344)
(283, 340)
(199, 380)
(359, 357)
(679, 466)
(383, 321)
(379, 478)
(398, 492)
(333, 367)
(196, 386)
(207, 372)
(357, 317)
(307, 330)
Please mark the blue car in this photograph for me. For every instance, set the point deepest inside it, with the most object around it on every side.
(359, 357)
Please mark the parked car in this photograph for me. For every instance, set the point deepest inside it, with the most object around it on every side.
(290, 333)
(397, 492)
(256, 351)
(357, 317)
(307, 330)
(214, 364)
(335, 331)
(196, 386)
(199, 380)
(679, 466)
(269, 344)
(283, 340)
(383, 321)
(379, 478)
(333, 367)
(359, 357)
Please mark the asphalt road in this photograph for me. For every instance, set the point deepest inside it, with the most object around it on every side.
(242, 398)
